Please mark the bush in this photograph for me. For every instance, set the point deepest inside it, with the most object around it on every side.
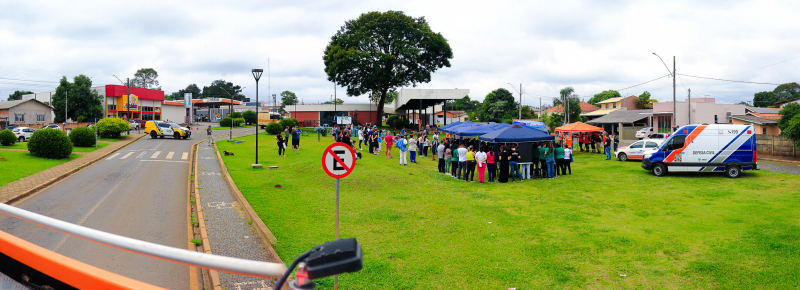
(508, 121)
(274, 128)
(396, 122)
(112, 127)
(235, 115)
(52, 144)
(238, 121)
(82, 137)
(7, 138)
(250, 117)
(225, 122)
(289, 122)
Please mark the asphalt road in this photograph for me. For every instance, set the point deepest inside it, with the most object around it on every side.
(138, 192)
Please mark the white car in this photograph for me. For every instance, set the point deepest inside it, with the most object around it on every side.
(659, 136)
(51, 126)
(644, 132)
(637, 149)
(23, 133)
(134, 125)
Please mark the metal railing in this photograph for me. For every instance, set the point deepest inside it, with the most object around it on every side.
(172, 254)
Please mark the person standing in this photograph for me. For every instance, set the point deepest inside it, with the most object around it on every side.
(360, 138)
(580, 141)
(568, 140)
(607, 147)
(296, 139)
(471, 164)
(448, 154)
(286, 139)
(549, 155)
(402, 146)
(616, 142)
(281, 149)
(462, 162)
(389, 141)
(454, 161)
(559, 160)
(480, 158)
(412, 147)
(535, 164)
(440, 154)
(514, 163)
(567, 160)
(436, 143)
(504, 159)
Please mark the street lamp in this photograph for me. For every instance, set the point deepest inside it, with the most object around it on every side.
(230, 110)
(674, 105)
(257, 75)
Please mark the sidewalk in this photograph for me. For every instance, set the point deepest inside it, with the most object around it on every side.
(30, 184)
(229, 233)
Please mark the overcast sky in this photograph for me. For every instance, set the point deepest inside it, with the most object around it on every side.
(548, 45)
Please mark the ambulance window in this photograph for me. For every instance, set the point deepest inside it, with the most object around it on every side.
(637, 145)
(676, 142)
(650, 145)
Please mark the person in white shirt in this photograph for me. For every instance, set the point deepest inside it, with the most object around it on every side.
(462, 162)
(567, 160)
(360, 138)
(480, 157)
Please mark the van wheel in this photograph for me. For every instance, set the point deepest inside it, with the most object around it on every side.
(176, 135)
(733, 171)
(162, 137)
(153, 134)
(21, 139)
(622, 157)
(185, 137)
(660, 170)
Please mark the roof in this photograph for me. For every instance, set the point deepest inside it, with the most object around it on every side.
(623, 116)
(11, 104)
(760, 110)
(578, 127)
(585, 108)
(787, 101)
(516, 133)
(600, 112)
(200, 101)
(457, 113)
(754, 119)
(612, 100)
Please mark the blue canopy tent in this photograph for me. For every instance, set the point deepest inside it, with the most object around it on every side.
(449, 125)
(473, 130)
(516, 133)
(451, 129)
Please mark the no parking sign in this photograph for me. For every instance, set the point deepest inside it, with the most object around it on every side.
(338, 160)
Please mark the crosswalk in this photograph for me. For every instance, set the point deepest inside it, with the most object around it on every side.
(153, 156)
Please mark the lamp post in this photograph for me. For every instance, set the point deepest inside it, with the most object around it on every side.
(230, 110)
(257, 75)
(520, 98)
(674, 105)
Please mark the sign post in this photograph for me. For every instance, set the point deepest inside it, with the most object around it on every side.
(338, 161)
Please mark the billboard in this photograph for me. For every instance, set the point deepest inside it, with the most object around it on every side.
(187, 100)
(131, 102)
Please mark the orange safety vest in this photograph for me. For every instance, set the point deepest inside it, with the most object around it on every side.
(569, 141)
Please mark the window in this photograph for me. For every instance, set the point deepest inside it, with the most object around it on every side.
(39, 118)
(675, 143)
(715, 119)
(615, 105)
(19, 117)
(112, 107)
(764, 130)
(637, 145)
(163, 125)
(651, 145)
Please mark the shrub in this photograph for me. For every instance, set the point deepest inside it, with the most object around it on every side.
(225, 122)
(508, 121)
(7, 138)
(112, 127)
(238, 121)
(235, 115)
(274, 128)
(396, 122)
(289, 122)
(82, 137)
(52, 144)
(250, 117)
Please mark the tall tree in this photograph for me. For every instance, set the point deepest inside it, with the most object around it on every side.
(573, 104)
(381, 51)
(223, 89)
(288, 98)
(463, 104)
(338, 102)
(787, 113)
(644, 101)
(787, 92)
(605, 95)
(146, 78)
(17, 95)
(764, 99)
(498, 106)
(82, 102)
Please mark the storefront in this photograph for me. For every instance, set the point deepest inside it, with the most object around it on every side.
(142, 104)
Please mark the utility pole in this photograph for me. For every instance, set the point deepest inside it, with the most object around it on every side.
(66, 98)
(520, 101)
(674, 105)
(690, 106)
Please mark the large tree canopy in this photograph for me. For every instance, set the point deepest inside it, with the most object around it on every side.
(17, 95)
(573, 104)
(644, 101)
(288, 98)
(780, 93)
(82, 102)
(146, 78)
(498, 106)
(193, 89)
(463, 104)
(223, 89)
(604, 96)
(381, 51)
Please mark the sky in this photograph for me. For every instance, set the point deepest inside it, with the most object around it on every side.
(543, 46)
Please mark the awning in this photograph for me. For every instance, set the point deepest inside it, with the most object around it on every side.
(516, 133)
(578, 127)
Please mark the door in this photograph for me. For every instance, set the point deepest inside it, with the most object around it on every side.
(636, 150)
(166, 129)
(676, 156)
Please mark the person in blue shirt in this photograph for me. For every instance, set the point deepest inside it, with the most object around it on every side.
(401, 145)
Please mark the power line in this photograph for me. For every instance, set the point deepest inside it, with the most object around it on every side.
(661, 77)
(724, 80)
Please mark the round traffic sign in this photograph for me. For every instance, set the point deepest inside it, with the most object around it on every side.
(338, 160)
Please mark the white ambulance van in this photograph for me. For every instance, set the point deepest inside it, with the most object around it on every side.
(705, 148)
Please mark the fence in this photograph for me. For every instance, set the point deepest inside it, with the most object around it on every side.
(776, 145)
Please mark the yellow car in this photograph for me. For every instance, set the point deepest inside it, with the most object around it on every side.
(160, 129)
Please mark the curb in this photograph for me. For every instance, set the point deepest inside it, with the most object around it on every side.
(213, 274)
(779, 160)
(65, 175)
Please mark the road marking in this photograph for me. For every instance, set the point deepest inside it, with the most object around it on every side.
(112, 156)
(164, 161)
(141, 154)
(185, 155)
(169, 155)
(127, 155)
(155, 155)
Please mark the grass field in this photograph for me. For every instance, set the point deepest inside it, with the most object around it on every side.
(423, 230)
(228, 128)
(24, 146)
(111, 139)
(19, 164)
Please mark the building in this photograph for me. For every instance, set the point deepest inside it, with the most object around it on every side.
(611, 105)
(585, 108)
(208, 109)
(624, 122)
(28, 113)
(760, 125)
(452, 117)
(781, 104)
(704, 111)
(407, 104)
(144, 104)
(766, 113)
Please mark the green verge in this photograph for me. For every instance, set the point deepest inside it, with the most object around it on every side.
(113, 139)
(20, 164)
(228, 128)
(24, 146)
(421, 230)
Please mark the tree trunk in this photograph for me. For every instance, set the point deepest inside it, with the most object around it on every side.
(379, 117)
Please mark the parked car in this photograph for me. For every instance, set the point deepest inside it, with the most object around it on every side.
(23, 133)
(51, 126)
(706, 148)
(637, 149)
(133, 124)
(12, 127)
(644, 132)
(160, 129)
(659, 136)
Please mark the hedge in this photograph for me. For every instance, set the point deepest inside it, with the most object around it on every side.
(53, 144)
(82, 137)
(7, 138)
(112, 127)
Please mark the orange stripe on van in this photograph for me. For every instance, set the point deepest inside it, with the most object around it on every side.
(686, 142)
(74, 273)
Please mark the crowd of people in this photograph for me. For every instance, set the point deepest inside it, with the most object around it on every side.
(283, 139)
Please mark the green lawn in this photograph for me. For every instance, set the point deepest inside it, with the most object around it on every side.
(19, 164)
(228, 128)
(112, 139)
(423, 230)
(24, 146)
